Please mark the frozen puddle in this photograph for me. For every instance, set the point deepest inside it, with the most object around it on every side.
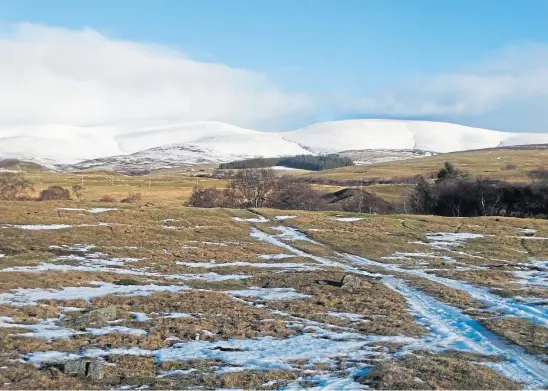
(23, 297)
(269, 293)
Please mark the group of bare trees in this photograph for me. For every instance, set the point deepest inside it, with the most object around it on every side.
(456, 193)
(254, 187)
(261, 187)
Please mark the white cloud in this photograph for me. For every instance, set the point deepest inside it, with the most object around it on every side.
(56, 76)
(509, 91)
(59, 76)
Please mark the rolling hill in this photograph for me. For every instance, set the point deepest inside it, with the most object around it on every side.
(213, 142)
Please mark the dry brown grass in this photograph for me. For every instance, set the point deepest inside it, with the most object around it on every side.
(488, 163)
(532, 337)
(384, 311)
(435, 373)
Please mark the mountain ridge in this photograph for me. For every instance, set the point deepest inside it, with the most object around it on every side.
(207, 141)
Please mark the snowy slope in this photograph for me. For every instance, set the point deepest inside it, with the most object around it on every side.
(439, 137)
(212, 142)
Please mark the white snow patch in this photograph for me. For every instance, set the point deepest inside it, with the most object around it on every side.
(284, 217)
(140, 316)
(281, 265)
(23, 297)
(117, 329)
(259, 219)
(349, 219)
(269, 293)
(346, 315)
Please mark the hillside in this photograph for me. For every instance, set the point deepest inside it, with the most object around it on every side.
(441, 137)
(213, 142)
(511, 164)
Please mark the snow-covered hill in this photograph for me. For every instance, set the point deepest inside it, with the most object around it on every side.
(212, 142)
(438, 137)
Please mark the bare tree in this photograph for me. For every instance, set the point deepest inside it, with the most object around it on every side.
(254, 184)
(77, 190)
(13, 185)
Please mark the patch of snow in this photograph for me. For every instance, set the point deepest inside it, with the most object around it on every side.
(449, 240)
(101, 210)
(259, 219)
(275, 256)
(284, 217)
(283, 168)
(506, 306)
(289, 233)
(38, 227)
(346, 315)
(92, 210)
(177, 315)
(117, 329)
(23, 297)
(451, 328)
(281, 265)
(269, 293)
(349, 219)
(536, 275)
(140, 316)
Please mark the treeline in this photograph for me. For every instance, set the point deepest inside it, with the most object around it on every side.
(456, 193)
(303, 162)
(450, 192)
(260, 187)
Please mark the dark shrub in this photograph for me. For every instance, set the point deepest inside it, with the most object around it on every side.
(54, 193)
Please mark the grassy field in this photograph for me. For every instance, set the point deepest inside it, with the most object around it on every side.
(503, 164)
(170, 186)
(217, 298)
(156, 294)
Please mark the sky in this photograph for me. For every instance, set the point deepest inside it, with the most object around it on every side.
(274, 65)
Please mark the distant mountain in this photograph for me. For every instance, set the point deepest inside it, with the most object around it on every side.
(440, 137)
(189, 143)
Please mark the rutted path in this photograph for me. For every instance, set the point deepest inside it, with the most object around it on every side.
(494, 302)
(450, 328)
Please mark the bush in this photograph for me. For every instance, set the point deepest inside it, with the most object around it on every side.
(292, 195)
(107, 198)
(467, 197)
(131, 198)
(14, 186)
(54, 193)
